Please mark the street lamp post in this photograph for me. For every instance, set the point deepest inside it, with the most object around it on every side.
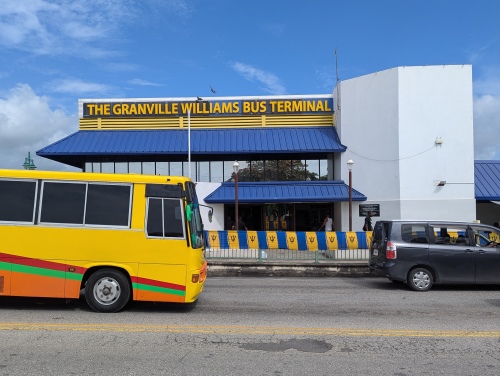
(349, 165)
(189, 137)
(236, 166)
(189, 142)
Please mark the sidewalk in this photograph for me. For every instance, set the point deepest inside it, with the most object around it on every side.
(288, 268)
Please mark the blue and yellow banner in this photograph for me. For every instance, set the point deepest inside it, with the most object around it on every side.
(332, 241)
(352, 240)
(312, 241)
(252, 240)
(272, 240)
(293, 240)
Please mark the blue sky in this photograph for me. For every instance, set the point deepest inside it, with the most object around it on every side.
(53, 52)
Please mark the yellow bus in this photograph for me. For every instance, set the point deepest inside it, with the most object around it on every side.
(120, 237)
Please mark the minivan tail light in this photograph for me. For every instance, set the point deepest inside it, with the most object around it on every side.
(390, 252)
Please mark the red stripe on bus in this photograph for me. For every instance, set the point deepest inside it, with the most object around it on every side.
(153, 282)
(27, 261)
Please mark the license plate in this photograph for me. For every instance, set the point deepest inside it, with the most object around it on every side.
(375, 252)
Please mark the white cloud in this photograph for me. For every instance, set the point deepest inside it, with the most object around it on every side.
(139, 82)
(479, 54)
(276, 28)
(76, 86)
(59, 27)
(27, 124)
(49, 27)
(327, 79)
(121, 67)
(272, 84)
(487, 81)
(486, 126)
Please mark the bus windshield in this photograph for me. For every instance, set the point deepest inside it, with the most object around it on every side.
(194, 217)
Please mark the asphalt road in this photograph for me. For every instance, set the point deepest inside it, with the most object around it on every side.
(263, 326)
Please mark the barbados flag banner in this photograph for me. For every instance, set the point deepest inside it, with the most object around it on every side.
(369, 238)
(272, 239)
(312, 241)
(213, 239)
(361, 240)
(352, 240)
(302, 241)
(291, 240)
(252, 240)
(332, 241)
(321, 237)
(232, 238)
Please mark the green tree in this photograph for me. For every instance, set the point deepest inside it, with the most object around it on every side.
(276, 170)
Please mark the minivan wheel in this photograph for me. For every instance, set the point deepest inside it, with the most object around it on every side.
(420, 279)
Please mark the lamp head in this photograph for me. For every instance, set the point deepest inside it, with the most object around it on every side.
(236, 166)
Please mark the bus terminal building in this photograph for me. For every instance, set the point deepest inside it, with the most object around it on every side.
(408, 130)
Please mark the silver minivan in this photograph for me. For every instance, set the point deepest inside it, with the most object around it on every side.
(421, 253)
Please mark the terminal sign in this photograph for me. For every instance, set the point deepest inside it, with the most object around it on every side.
(206, 108)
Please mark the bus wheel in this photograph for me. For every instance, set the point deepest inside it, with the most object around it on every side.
(107, 290)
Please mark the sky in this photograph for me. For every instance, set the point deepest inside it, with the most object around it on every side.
(54, 52)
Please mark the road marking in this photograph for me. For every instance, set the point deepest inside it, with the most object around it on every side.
(248, 330)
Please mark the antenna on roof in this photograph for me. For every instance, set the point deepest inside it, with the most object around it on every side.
(337, 81)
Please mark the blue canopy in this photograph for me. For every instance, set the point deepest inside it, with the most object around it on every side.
(487, 180)
(288, 192)
(169, 144)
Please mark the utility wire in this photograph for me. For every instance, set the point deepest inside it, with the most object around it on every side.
(391, 160)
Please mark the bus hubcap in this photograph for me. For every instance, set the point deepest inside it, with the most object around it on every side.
(107, 291)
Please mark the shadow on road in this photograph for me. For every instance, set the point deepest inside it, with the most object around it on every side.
(49, 304)
(385, 284)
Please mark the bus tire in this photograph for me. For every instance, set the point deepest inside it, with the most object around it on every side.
(107, 290)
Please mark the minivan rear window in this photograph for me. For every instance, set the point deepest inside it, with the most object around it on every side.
(378, 232)
(414, 233)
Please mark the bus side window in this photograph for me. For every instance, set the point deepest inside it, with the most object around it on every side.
(172, 218)
(155, 218)
(164, 218)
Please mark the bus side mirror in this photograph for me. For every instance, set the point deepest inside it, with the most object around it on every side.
(189, 212)
(210, 215)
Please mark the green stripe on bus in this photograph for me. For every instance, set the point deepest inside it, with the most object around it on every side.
(38, 271)
(74, 276)
(161, 290)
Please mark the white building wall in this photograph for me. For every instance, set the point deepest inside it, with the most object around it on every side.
(389, 122)
(203, 190)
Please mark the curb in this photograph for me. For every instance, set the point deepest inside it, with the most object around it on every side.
(285, 269)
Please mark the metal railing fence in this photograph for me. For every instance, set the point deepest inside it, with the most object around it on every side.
(261, 246)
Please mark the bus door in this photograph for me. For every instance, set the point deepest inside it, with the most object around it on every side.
(162, 270)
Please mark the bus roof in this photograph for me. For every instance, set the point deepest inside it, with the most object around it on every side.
(89, 176)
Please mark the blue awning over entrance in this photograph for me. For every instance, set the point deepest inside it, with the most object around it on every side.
(171, 143)
(286, 192)
(487, 180)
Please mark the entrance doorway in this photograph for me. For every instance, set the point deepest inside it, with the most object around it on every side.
(280, 216)
(250, 215)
